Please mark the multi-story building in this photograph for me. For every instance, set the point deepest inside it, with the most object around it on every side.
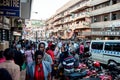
(105, 17)
(71, 20)
(95, 19)
(34, 30)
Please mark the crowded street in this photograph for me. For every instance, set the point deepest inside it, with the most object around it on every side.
(59, 40)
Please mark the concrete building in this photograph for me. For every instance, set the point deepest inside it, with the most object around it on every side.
(105, 17)
(34, 30)
(71, 21)
(92, 19)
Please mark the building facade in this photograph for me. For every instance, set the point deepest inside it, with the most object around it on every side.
(34, 30)
(71, 21)
(105, 17)
(86, 19)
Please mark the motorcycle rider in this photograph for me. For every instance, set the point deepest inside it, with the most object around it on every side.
(76, 56)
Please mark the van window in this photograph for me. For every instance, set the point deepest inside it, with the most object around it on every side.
(97, 45)
(110, 46)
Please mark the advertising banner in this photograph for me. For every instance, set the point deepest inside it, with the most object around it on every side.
(10, 8)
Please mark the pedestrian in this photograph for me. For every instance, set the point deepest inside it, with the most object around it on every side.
(2, 58)
(46, 56)
(61, 57)
(9, 64)
(29, 55)
(76, 56)
(18, 57)
(68, 63)
(51, 51)
(81, 50)
(40, 69)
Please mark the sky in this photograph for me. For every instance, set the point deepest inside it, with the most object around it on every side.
(44, 9)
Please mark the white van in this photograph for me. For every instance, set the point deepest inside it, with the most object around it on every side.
(105, 51)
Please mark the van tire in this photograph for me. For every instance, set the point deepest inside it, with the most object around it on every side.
(112, 62)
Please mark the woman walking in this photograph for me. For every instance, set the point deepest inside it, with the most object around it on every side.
(39, 70)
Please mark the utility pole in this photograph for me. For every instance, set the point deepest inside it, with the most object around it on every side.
(36, 36)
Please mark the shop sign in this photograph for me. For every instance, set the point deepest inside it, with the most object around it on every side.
(10, 8)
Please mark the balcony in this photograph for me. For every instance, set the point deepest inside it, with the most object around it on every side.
(58, 17)
(59, 28)
(96, 2)
(81, 7)
(107, 9)
(82, 25)
(81, 16)
(67, 14)
(105, 33)
(115, 23)
(86, 34)
(58, 23)
(68, 21)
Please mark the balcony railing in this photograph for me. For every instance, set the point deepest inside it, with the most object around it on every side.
(81, 7)
(81, 16)
(114, 23)
(86, 33)
(82, 25)
(107, 9)
(95, 2)
(58, 17)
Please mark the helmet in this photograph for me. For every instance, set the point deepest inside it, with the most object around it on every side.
(96, 64)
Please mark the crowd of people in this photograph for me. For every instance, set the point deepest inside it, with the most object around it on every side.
(37, 59)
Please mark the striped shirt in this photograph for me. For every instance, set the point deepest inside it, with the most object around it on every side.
(68, 63)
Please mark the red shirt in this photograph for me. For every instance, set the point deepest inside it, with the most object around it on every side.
(51, 53)
(39, 73)
(81, 49)
(2, 60)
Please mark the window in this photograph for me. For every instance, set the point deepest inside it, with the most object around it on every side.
(77, 22)
(118, 15)
(106, 17)
(97, 19)
(92, 20)
(105, 4)
(114, 16)
(114, 1)
(112, 46)
(97, 45)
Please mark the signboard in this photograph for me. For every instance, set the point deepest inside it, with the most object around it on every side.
(37, 23)
(10, 8)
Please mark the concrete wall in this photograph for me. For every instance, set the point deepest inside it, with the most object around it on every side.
(26, 9)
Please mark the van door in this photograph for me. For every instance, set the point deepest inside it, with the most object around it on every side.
(112, 52)
(97, 51)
